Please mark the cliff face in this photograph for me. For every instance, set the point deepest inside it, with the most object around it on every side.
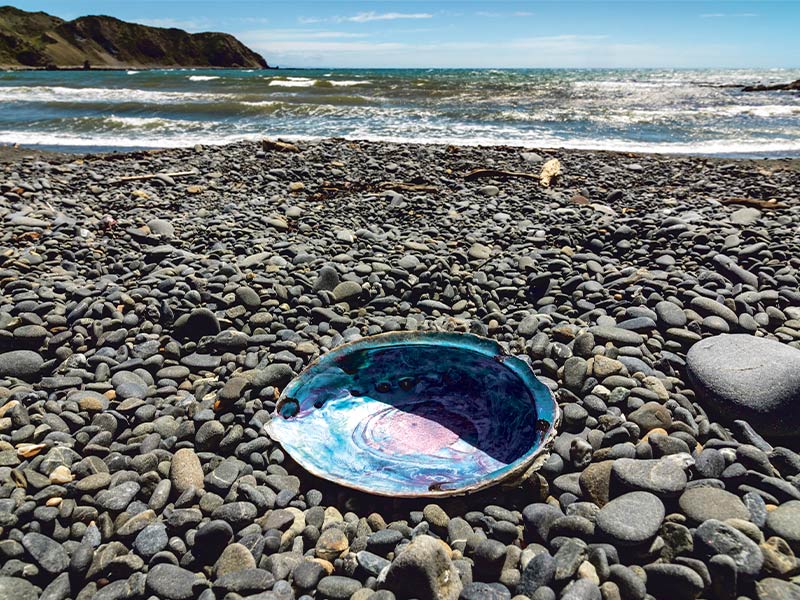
(38, 40)
(23, 36)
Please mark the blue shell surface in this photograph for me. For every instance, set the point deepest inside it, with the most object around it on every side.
(416, 414)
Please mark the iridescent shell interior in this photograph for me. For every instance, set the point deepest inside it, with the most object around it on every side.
(416, 414)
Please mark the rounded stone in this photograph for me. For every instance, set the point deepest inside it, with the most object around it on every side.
(200, 322)
(745, 377)
(22, 364)
(777, 589)
(538, 519)
(47, 553)
(307, 574)
(676, 582)
(244, 582)
(582, 589)
(346, 291)
(784, 522)
(630, 584)
(651, 415)
(485, 591)
(715, 537)
(161, 227)
(540, 571)
(234, 558)
(171, 582)
(489, 557)
(331, 544)
(616, 335)
(423, 569)
(661, 477)
(595, 482)
(479, 251)
(435, 515)
(327, 279)
(211, 539)
(631, 519)
(17, 588)
(248, 297)
(186, 470)
(703, 503)
(151, 540)
(384, 540)
(336, 587)
(745, 216)
(670, 314)
(209, 435)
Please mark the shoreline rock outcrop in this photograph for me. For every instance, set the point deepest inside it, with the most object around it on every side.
(777, 87)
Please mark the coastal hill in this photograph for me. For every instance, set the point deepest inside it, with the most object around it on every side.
(36, 39)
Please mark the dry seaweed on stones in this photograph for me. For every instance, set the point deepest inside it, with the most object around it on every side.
(407, 187)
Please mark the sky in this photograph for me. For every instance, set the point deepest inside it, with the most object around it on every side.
(488, 33)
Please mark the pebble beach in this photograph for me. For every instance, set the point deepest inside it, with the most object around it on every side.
(153, 305)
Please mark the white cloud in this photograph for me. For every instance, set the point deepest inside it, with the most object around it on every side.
(564, 43)
(328, 47)
(365, 17)
(566, 50)
(260, 20)
(416, 30)
(332, 49)
(298, 34)
(492, 15)
(187, 24)
(202, 23)
(726, 15)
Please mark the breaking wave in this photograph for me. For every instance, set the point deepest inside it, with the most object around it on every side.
(670, 111)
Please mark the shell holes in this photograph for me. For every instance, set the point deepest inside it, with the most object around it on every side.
(290, 408)
(407, 383)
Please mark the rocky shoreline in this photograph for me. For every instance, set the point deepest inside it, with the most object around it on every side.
(153, 304)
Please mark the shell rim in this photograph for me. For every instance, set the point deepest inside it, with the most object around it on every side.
(488, 346)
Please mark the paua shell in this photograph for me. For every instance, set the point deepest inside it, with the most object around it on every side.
(416, 414)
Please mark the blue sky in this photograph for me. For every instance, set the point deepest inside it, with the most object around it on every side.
(567, 33)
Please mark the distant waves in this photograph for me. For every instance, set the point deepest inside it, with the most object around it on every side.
(669, 111)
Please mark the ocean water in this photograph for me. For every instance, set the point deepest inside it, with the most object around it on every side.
(669, 111)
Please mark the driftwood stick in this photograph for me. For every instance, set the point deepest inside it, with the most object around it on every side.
(152, 176)
(479, 173)
(279, 146)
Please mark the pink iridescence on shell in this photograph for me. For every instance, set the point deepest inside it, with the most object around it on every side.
(409, 433)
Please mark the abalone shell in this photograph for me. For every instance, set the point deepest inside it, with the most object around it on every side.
(416, 414)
